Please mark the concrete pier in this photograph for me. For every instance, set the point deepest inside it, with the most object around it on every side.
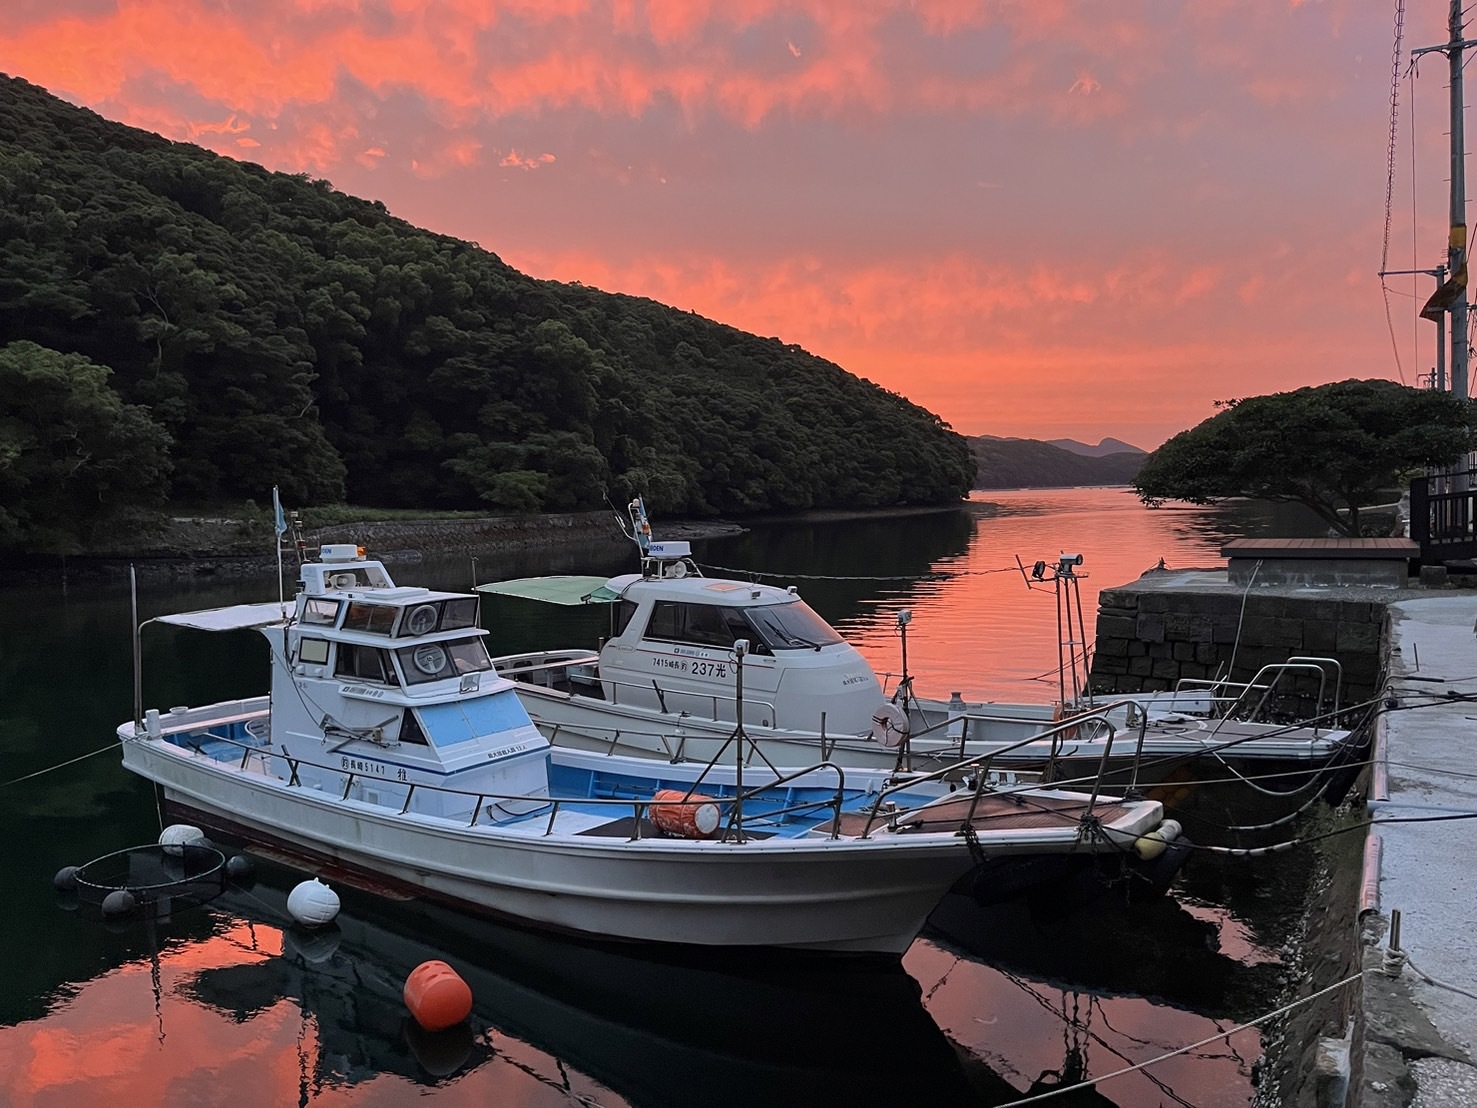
(1420, 1037)
(1405, 1033)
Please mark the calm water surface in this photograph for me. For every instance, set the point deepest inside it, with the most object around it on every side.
(229, 1004)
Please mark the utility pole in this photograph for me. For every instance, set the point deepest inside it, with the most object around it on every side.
(1452, 295)
(1456, 246)
(1438, 317)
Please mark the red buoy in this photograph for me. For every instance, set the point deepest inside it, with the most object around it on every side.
(437, 996)
(688, 817)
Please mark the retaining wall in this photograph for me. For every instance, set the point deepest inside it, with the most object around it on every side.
(1176, 625)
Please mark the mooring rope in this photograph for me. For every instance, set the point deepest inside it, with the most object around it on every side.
(1186, 1049)
(60, 765)
(931, 575)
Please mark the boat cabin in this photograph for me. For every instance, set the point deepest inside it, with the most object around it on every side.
(672, 648)
(395, 685)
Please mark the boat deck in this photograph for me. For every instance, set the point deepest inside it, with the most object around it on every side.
(993, 813)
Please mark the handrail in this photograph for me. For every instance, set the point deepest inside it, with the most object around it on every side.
(1265, 681)
(547, 659)
(554, 659)
(1277, 671)
(294, 764)
(1338, 678)
(983, 762)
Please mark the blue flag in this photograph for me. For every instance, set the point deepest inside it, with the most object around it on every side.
(280, 519)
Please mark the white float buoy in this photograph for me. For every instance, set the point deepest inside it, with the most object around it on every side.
(312, 903)
(178, 835)
(65, 880)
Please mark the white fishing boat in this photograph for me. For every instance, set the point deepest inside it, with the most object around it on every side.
(390, 747)
(662, 684)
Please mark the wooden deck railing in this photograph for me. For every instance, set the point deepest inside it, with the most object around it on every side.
(1441, 519)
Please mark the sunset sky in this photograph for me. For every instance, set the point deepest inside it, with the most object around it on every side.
(1036, 218)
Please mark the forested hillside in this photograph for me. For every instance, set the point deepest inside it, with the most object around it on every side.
(178, 326)
(1029, 463)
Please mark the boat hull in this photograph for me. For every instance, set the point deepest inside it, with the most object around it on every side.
(1222, 748)
(853, 896)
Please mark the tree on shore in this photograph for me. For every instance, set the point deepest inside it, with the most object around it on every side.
(72, 454)
(1333, 448)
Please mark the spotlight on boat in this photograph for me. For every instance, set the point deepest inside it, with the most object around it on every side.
(904, 617)
(312, 903)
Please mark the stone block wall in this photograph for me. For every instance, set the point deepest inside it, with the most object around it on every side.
(1165, 628)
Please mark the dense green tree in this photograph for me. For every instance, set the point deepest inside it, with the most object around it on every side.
(1331, 447)
(285, 334)
(72, 454)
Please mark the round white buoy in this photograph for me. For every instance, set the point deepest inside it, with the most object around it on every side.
(312, 903)
(240, 866)
(65, 880)
(177, 835)
(119, 902)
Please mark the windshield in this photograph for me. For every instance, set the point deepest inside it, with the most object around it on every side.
(793, 626)
(438, 660)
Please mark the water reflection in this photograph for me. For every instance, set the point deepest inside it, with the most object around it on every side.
(553, 1020)
(225, 1006)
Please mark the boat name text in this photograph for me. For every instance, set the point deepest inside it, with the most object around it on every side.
(378, 769)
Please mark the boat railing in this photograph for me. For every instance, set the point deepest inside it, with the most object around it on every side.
(713, 698)
(522, 666)
(1058, 733)
(183, 720)
(1252, 697)
(639, 805)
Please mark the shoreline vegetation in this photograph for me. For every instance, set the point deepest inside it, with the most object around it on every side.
(238, 543)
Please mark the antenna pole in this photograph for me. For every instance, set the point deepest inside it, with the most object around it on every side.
(138, 660)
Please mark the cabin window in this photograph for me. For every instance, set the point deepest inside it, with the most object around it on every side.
(319, 611)
(456, 614)
(792, 626)
(438, 615)
(410, 730)
(364, 663)
(374, 619)
(435, 661)
(620, 617)
(700, 625)
(313, 651)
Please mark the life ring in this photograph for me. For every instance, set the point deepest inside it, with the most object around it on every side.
(889, 725)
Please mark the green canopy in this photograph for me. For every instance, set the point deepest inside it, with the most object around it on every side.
(554, 590)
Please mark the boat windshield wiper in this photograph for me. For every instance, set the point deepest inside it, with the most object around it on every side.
(786, 636)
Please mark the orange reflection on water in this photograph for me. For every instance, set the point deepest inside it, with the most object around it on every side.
(1030, 1030)
(141, 1034)
(981, 631)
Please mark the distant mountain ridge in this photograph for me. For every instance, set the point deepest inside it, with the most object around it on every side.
(1101, 450)
(1010, 463)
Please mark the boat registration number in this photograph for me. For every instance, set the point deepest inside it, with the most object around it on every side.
(696, 667)
(377, 769)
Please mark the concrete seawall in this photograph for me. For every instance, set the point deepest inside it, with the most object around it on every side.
(1402, 1028)
(1176, 625)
